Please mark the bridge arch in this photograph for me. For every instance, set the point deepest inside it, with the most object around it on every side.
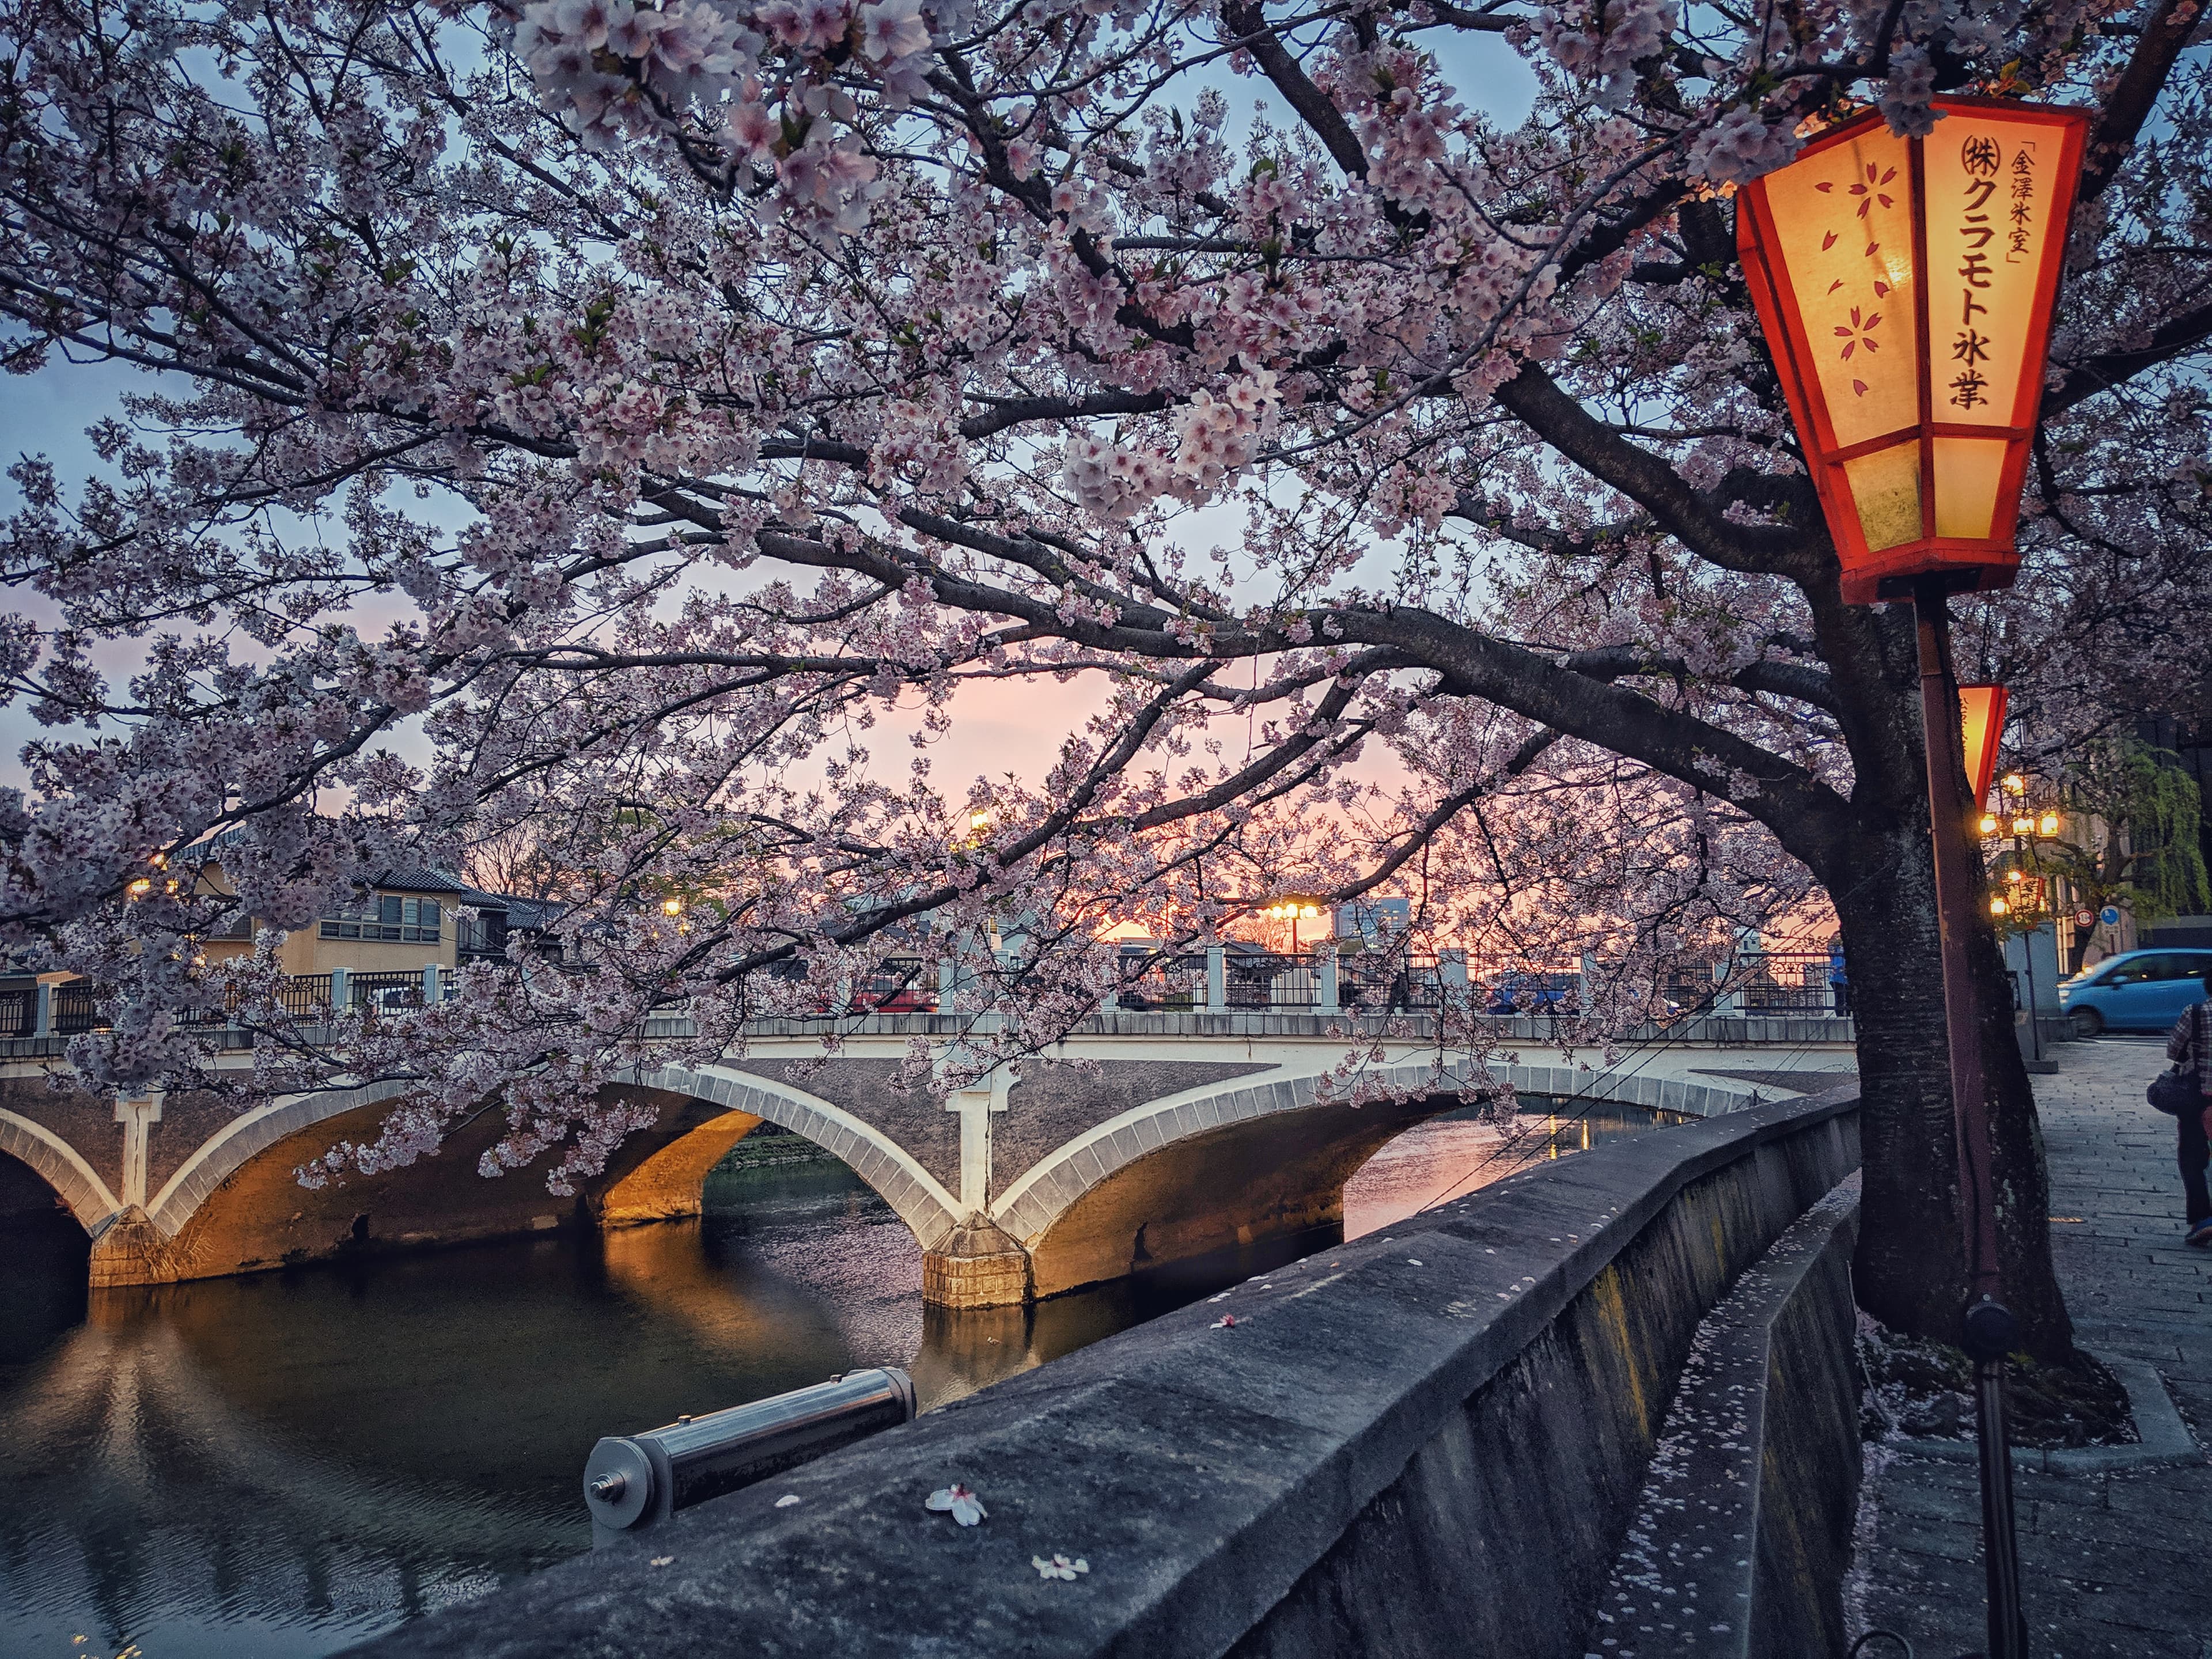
(1029, 1205)
(1220, 1166)
(921, 1199)
(246, 1137)
(63, 1168)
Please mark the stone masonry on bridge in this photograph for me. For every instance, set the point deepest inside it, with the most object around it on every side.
(1143, 1140)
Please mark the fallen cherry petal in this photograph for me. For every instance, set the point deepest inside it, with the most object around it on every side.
(1059, 1567)
(662, 1560)
(787, 1500)
(1415, 1262)
(1226, 1322)
(962, 1505)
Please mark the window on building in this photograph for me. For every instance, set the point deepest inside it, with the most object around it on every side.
(388, 917)
(239, 927)
(480, 932)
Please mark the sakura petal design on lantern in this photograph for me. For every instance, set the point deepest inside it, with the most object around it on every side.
(1859, 333)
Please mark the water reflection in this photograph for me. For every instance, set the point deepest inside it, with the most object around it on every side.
(283, 1465)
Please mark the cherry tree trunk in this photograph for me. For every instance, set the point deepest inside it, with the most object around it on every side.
(1910, 1270)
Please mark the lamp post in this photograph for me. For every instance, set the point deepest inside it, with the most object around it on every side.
(2029, 895)
(1905, 286)
(1296, 907)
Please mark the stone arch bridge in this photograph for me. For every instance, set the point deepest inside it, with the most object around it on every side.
(1143, 1140)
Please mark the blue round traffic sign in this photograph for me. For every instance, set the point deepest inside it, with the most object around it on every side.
(2109, 915)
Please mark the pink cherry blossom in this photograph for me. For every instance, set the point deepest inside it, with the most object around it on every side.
(893, 28)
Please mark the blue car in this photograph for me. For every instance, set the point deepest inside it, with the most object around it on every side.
(2136, 991)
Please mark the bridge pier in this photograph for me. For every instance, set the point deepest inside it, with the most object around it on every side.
(977, 1266)
(131, 1249)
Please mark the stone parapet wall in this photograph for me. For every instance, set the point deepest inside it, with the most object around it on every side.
(1427, 1442)
(1742, 1535)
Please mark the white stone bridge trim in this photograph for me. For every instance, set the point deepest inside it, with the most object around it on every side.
(920, 1198)
(63, 1169)
(1030, 1205)
(224, 1153)
(1292, 1054)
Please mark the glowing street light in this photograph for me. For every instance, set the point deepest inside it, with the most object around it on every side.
(671, 905)
(1295, 907)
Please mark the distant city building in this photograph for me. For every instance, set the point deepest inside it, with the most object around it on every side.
(1370, 920)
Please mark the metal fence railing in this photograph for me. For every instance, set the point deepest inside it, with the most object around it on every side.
(388, 991)
(1171, 982)
(76, 1008)
(303, 996)
(1766, 984)
(1272, 980)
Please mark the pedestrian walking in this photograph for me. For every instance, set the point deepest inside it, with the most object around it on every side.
(1839, 982)
(2189, 1045)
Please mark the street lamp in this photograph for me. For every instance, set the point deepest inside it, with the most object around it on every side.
(2029, 896)
(1296, 907)
(1906, 286)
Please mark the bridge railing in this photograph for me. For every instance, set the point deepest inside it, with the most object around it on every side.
(1792, 984)
(1219, 979)
(1171, 981)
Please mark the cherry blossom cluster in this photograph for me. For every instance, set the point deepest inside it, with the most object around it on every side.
(777, 84)
(624, 507)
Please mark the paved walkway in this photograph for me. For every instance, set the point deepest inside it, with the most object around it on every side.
(2117, 1563)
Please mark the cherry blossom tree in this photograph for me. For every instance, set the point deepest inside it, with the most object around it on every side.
(588, 427)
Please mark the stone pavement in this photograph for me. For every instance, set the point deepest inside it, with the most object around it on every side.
(2117, 1562)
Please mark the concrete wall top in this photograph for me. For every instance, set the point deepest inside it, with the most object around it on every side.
(1201, 1470)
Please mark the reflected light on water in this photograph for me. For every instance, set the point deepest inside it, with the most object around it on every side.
(282, 1465)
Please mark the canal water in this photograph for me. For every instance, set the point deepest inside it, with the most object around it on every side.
(277, 1467)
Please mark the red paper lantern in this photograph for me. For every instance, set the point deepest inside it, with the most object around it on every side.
(1906, 286)
(1982, 715)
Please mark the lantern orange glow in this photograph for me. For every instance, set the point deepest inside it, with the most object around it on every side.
(1981, 711)
(1906, 286)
